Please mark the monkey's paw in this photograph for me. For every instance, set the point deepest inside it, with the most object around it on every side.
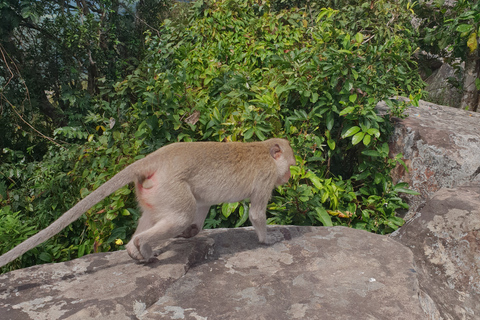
(190, 232)
(139, 251)
(271, 239)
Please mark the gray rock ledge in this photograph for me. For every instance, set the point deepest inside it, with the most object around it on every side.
(445, 240)
(307, 273)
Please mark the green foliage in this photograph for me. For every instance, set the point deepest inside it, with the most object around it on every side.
(39, 192)
(453, 29)
(13, 231)
(235, 70)
(43, 191)
(115, 217)
(54, 59)
(450, 31)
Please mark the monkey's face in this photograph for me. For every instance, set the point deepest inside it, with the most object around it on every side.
(284, 162)
(286, 177)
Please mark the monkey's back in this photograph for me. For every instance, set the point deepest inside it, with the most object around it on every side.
(216, 172)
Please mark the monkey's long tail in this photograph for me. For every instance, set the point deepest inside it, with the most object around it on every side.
(116, 182)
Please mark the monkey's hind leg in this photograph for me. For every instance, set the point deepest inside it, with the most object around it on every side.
(139, 248)
(164, 222)
(144, 223)
(197, 226)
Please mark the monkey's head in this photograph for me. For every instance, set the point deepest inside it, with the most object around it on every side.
(284, 158)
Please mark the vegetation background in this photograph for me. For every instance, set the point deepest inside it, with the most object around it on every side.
(87, 87)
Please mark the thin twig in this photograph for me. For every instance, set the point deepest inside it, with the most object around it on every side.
(5, 60)
(28, 124)
(145, 23)
(8, 178)
(27, 92)
(368, 39)
(2, 50)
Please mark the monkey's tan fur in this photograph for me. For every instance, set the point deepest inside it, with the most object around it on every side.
(177, 184)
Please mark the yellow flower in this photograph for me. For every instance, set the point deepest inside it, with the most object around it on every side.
(118, 242)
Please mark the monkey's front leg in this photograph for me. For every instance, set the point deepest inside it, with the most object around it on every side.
(257, 215)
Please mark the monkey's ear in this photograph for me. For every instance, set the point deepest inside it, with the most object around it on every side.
(275, 152)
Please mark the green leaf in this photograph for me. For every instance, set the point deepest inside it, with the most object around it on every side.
(346, 43)
(314, 179)
(117, 233)
(464, 28)
(391, 225)
(374, 132)
(229, 208)
(351, 131)
(330, 120)
(347, 110)
(325, 11)
(367, 139)
(331, 144)
(111, 215)
(260, 135)
(244, 211)
(84, 192)
(365, 215)
(294, 170)
(385, 148)
(353, 98)
(248, 134)
(359, 37)
(397, 221)
(371, 153)
(357, 138)
(407, 191)
(360, 226)
(348, 85)
(44, 256)
(81, 250)
(401, 185)
(124, 191)
(355, 74)
(378, 178)
(323, 217)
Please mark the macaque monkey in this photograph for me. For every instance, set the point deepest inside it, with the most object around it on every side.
(177, 184)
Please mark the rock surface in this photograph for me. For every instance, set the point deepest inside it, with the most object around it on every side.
(439, 88)
(308, 273)
(429, 269)
(445, 240)
(441, 148)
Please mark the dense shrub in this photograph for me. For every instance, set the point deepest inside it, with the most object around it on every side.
(235, 70)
